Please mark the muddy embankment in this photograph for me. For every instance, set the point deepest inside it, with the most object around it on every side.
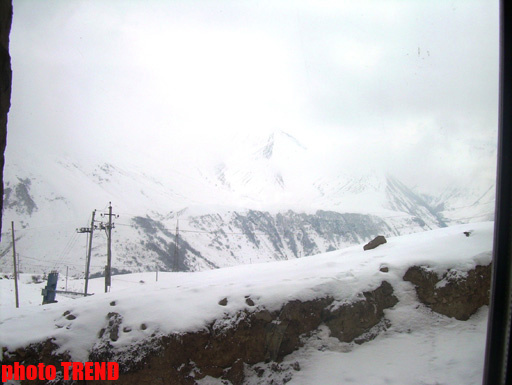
(225, 347)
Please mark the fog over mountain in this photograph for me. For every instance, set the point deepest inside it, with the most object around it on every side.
(272, 130)
(258, 205)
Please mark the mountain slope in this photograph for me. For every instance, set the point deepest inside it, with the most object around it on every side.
(262, 203)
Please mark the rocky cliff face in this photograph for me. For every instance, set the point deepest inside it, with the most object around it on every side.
(5, 85)
(227, 239)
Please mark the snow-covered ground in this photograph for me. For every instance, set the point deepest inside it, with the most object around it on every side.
(419, 348)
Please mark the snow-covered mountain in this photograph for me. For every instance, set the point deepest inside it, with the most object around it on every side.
(465, 204)
(266, 200)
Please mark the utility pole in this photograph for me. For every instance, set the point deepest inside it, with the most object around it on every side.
(156, 273)
(176, 251)
(108, 282)
(66, 278)
(108, 230)
(14, 263)
(89, 230)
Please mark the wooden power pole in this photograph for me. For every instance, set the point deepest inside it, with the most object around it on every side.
(90, 231)
(108, 280)
(108, 230)
(14, 263)
(176, 250)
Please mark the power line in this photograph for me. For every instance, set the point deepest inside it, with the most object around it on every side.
(67, 249)
(191, 231)
(52, 225)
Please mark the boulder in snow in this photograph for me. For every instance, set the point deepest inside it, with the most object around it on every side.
(377, 241)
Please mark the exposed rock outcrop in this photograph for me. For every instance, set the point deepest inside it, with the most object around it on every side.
(454, 294)
(243, 341)
(18, 198)
(223, 348)
(350, 321)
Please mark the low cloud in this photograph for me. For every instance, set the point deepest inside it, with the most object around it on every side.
(407, 86)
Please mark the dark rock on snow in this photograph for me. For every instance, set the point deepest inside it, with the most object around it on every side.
(377, 241)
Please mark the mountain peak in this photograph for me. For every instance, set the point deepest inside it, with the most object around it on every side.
(268, 149)
(279, 141)
(291, 138)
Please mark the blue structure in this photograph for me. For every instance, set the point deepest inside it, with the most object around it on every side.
(50, 291)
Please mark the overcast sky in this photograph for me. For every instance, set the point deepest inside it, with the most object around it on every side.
(408, 85)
